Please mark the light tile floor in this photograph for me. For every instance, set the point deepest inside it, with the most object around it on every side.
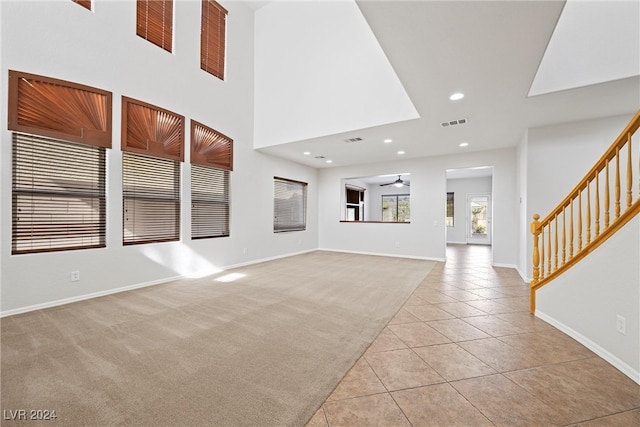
(464, 351)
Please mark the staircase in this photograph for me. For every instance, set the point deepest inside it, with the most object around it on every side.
(600, 205)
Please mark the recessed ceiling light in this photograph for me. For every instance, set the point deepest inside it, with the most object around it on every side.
(457, 96)
(329, 161)
(464, 144)
(401, 152)
(306, 153)
(388, 140)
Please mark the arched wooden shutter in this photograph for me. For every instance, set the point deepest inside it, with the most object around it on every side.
(59, 109)
(151, 130)
(84, 3)
(210, 147)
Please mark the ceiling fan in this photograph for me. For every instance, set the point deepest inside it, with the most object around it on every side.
(397, 183)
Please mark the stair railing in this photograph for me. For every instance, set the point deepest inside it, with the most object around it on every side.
(593, 211)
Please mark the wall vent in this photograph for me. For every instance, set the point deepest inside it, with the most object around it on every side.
(350, 140)
(453, 123)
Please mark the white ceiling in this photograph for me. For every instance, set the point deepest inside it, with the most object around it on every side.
(490, 51)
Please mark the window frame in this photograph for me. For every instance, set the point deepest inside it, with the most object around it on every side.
(295, 219)
(449, 214)
(63, 184)
(210, 210)
(396, 215)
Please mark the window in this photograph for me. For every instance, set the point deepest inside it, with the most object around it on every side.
(209, 202)
(355, 203)
(84, 3)
(154, 22)
(153, 145)
(396, 208)
(289, 205)
(449, 210)
(62, 131)
(213, 38)
(151, 199)
(58, 195)
(212, 161)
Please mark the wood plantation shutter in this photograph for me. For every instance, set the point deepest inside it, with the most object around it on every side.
(212, 161)
(59, 109)
(153, 145)
(213, 38)
(84, 3)
(210, 148)
(58, 195)
(290, 205)
(151, 130)
(154, 22)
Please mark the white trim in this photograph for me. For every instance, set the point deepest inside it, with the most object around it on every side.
(515, 267)
(78, 298)
(605, 354)
(388, 255)
(85, 297)
(456, 243)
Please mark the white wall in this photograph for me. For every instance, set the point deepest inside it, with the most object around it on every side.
(425, 236)
(61, 39)
(585, 300)
(461, 188)
(321, 71)
(557, 158)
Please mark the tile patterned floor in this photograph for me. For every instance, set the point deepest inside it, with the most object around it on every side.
(464, 351)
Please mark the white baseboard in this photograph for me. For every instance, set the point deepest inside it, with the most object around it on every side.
(387, 255)
(83, 297)
(600, 351)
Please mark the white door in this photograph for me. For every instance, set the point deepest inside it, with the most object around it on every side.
(479, 219)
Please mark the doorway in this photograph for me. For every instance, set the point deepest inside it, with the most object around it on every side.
(478, 223)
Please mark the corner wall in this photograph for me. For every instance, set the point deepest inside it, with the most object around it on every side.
(584, 302)
(100, 48)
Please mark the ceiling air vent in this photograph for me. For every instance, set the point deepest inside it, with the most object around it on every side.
(350, 140)
(453, 123)
(319, 157)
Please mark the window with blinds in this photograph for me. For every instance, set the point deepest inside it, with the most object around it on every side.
(213, 38)
(289, 205)
(154, 22)
(151, 199)
(58, 195)
(209, 202)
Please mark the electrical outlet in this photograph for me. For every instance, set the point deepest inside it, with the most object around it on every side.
(621, 325)
(75, 276)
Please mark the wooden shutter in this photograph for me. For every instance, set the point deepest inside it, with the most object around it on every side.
(59, 109)
(154, 22)
(209, 202)
(210, 147)
(151, 199)
(84, 3)
(147, 129)
(289, 205)
(58, 195)
(213, 38)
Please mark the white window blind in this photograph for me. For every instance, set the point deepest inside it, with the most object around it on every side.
(209, 202)
(58, 195)
(151, 199)
(290, 205)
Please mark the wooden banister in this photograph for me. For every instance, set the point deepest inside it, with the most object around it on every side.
(597, 180)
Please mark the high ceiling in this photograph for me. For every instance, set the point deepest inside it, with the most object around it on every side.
(491, 52)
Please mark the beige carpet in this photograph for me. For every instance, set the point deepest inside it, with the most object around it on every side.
(263, 350)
